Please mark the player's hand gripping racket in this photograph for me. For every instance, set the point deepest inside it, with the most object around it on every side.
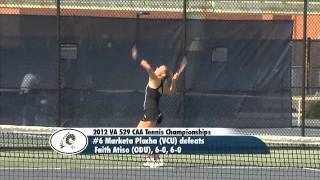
(134, 52)
(134, 49)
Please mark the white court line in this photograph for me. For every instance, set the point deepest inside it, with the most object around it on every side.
(312, 169)
(26, 168)
(247, 167)
(163, 167)
(120, 167)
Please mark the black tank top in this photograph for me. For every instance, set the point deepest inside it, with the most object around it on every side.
(152, 97)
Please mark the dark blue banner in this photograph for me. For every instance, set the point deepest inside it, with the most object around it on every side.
(175, 145)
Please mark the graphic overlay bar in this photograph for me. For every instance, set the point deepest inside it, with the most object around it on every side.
(153, 141)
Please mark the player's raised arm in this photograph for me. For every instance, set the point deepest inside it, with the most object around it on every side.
(144, 63)
(146, 66)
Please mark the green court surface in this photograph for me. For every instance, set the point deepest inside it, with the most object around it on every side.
(25, 153)
(277, 158)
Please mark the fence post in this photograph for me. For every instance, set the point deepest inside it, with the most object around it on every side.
(184, 54)
(309, 85)
(303, 109)
(59, 74)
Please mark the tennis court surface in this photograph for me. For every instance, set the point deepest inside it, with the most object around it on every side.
(25, 154)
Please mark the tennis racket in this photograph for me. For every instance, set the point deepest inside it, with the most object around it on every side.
(183, 65)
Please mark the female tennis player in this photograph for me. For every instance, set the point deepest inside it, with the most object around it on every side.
(153, 92)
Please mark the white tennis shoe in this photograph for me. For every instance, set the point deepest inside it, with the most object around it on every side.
(152, 163)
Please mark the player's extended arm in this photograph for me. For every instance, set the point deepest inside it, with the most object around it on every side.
(173, 87)
(144, 63)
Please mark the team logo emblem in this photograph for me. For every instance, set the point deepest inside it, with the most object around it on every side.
(68, 141)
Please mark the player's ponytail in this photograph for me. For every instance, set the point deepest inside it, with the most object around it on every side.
(167, 78)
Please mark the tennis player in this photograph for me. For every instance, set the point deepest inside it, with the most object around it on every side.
(153, 92)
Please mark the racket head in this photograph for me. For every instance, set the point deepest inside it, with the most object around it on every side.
(183, 64)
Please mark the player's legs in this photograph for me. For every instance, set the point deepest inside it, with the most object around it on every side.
(150, 120)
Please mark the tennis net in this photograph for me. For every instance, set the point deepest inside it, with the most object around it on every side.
(25, 153)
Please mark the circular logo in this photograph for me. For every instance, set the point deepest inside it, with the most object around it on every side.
(68, 141)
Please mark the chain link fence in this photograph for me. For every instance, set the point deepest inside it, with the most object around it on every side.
(54, 55)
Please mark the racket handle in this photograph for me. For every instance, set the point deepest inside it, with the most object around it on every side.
(181, 69)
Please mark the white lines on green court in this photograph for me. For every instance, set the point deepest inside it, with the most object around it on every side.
(164, 167)
(312, 169)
